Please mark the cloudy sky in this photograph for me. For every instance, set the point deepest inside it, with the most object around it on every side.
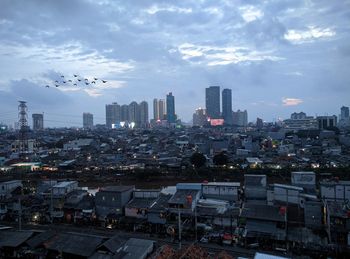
(277, 56)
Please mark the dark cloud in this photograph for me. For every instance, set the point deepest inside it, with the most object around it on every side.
(295, 49)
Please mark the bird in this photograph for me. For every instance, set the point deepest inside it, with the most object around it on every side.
(62, 76)
(75, 84)
(75, 75)
(86, 79)
(79, 80)
(104, 81)
(56, 81)
(64, 82)
(47, 86)
(69, 80)
(86, 83)
(95, 78)
(93, 82)
(57, 85)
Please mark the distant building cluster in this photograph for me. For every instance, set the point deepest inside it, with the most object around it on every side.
(214, 116)
(132, 115)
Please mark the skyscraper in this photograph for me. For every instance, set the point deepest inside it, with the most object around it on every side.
(212, 101)
(170, 108)
(227, 106)
(124, 112)
(158, 109)
(143, 114)
(38, 121)
(134, 113)
(344, 113)
(113, 114)
(88, 120)
(162, 108)
(155, 109)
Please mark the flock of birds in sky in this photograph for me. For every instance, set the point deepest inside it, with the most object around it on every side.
(76, 81)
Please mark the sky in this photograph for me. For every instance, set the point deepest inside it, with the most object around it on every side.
(278, 57)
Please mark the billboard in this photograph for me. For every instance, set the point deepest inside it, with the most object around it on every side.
(216, 122)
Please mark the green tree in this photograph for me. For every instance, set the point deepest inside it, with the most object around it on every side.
(220, 159)
(198, 159)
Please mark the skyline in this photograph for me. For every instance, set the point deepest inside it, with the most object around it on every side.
(278, 58)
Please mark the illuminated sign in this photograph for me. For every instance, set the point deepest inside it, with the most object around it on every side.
(217, 122)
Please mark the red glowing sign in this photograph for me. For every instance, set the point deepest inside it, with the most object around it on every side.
(216, 122)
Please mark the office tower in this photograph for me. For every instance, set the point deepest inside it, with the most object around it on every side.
(240, 118)
(298, 116)
(88, 120)
(200, 117)
(155, 109)
(124, 112)
(143, 114)
(134, 113)
(162, 109)
(113, 114)
(38, 121)
(212, 101)
(170, 108)
(325, 122)
(227, 106)
(344, 113)
(159, 109)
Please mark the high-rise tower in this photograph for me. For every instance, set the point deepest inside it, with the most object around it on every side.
(227, 106)
(212, 102)
(170, 108)
(38, 121)
(113, 114)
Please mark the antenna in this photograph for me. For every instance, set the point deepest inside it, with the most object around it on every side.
(23, 127)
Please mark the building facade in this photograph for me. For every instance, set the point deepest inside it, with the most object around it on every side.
(144, 114)
(212, 102)
(170, 108)
(113, 114)
(325, 122)
(200, 117)
(240, 118)
(227, 106)
(38, 121)
(88, 120)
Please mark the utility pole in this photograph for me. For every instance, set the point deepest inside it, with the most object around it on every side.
(179, 222)
(195, 222)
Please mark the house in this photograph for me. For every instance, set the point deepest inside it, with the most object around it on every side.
(61, 189)
(111, 200)
(158, 210)
(7, 187)
(73, 245)
(255, 188)
(263, 224)
(335, 190)
(142, 200)
(11, 243)
(228, 191)
(338, 222)
(305, 180)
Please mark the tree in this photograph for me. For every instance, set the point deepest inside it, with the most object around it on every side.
(198, 159)
(220, 159)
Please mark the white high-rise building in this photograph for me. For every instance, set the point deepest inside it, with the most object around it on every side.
(88, 120)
